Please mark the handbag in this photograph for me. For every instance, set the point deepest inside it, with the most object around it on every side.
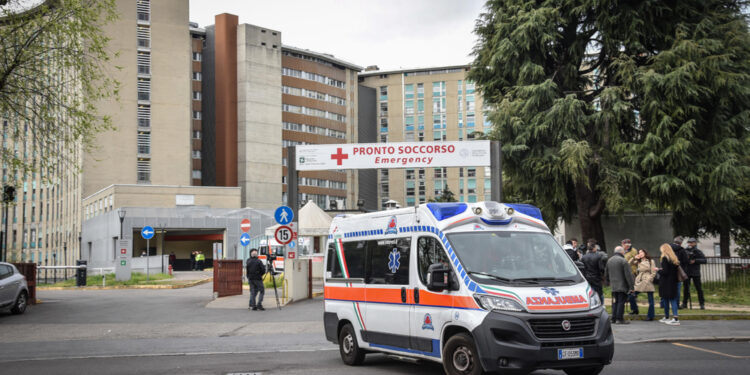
(655, 276)
(681, 275)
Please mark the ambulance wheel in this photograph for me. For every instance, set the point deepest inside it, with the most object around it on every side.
(584, 370)
(350, 351)
(460, 356)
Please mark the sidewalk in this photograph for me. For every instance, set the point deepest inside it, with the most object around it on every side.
(696, 306)
(690, 330)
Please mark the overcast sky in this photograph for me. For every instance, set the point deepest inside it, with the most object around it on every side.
(392, 34)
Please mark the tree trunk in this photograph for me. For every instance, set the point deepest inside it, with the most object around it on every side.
(724, 242)
(590, 209)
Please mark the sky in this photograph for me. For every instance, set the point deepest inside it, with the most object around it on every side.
(392, 34)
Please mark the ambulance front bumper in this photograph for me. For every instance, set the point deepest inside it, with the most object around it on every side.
(521, 342)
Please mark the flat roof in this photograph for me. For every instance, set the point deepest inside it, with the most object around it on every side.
(323, 56)
(149, 186)
(412, 70)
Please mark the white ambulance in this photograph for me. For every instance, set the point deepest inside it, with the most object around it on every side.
(476, 286)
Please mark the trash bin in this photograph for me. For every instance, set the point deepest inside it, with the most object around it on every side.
(81, 273)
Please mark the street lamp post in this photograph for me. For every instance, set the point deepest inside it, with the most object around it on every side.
(121, 213)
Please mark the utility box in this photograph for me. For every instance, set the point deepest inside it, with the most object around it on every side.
(81, 273)
(297, 274)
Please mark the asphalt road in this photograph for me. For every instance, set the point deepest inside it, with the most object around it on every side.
(173, 332)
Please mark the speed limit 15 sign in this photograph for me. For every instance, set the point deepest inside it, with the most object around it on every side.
(283, 234)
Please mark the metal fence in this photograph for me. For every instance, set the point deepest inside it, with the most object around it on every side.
(731, 272)
(55, 274)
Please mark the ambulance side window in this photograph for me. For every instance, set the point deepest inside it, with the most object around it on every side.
(333, 268)
(388, 261)
(429, 251)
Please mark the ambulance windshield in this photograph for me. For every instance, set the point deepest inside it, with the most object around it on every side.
(513, 257)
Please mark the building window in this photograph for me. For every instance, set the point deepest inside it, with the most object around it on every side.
(196, 115)
(143, 16)
(420, 90)
(383, 92)
(143, 95)
(197, 76)
(196, 154)
(196, 134)
(196, 174)
(144, 69)
(144, 122)
(197, 56)
(197, 95)
(144, 43)
(409, 91)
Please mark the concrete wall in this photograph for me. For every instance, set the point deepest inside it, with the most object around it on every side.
(368, 133)
(259, 116)
(647, 231)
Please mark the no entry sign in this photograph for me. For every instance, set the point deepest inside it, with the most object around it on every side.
(245, 225)
(393, 155)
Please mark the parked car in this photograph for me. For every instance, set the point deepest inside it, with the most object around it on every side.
(14, 292)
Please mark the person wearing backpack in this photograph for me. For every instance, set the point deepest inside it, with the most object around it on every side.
(644, 279)
(255, 270)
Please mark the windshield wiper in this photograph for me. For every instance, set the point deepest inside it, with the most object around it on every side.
(537, 280)
(489, 275)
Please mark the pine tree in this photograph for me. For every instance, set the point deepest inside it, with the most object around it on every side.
(590, 99)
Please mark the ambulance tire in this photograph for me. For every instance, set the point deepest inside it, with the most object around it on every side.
(460, 356)
(584, 370)
(349, 349)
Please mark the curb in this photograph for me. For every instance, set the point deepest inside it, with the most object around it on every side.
(688, 339)
(701, 317)
(181, 286)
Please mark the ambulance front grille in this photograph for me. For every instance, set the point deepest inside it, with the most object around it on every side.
(553, 328)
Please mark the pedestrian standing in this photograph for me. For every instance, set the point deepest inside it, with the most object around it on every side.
(199, 259)
(255, 269)
(593, 269)
(192, 260)
(668, 285)
(695, 259)
(630, 253)
(682, 257)
(172, 259)
(620, 278)
(571, 251)
(644, 279)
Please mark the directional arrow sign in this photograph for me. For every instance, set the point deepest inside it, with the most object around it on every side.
(147, 232)
(244, 239)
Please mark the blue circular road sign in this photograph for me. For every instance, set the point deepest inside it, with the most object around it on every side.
(291, 245)
(244, 239)
(283, 215)
(147, 232)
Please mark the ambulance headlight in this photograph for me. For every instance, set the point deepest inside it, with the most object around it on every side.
(594, 302)
(497, 303)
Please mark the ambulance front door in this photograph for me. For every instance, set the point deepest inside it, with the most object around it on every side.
(431, 310)
(388, 298)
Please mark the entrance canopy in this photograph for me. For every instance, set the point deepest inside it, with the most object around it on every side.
(313, 221)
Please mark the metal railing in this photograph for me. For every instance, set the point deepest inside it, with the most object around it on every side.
(731, 272)
(45, 274)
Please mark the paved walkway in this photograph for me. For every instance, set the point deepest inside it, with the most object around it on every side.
(192, 275)
(696, 306)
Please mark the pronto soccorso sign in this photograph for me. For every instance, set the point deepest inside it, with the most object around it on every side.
(393, 155)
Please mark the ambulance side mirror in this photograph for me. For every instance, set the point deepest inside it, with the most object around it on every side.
(438, 277)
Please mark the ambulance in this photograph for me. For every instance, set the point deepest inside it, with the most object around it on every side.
(479, 287)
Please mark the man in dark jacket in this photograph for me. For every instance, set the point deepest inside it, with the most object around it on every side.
(620, 278)
(693, 270)
(255, 271)
(572, 253)
(593, 269)
(682, 256)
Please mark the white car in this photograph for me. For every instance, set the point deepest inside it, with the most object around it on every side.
(14, 292)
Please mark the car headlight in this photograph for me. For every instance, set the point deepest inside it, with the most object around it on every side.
(594, 301)
(498, 303)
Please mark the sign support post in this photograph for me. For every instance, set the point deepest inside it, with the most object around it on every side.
(292, 179)
(496, 172)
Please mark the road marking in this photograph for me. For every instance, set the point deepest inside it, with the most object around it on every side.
(168, 354)
(711, 351)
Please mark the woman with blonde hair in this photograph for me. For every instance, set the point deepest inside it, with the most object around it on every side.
(668, 284)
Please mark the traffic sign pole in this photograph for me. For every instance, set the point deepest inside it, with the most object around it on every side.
(148, 252)
(147, 233)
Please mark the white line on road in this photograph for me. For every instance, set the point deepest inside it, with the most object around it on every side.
(171, 354)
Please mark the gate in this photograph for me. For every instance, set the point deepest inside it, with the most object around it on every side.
(29, 270)
(227, 277)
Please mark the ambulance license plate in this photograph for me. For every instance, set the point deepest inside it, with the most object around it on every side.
(573, 353)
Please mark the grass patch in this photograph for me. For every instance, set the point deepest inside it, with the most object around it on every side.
(268, 283)
(136, 278)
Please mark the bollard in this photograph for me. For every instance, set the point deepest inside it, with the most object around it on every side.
(170, 270)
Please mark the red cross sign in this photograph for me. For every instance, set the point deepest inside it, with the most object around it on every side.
(339, 156)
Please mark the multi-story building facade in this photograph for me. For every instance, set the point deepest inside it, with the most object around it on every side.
(261, 96)
(430, 104)
(197, 40)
